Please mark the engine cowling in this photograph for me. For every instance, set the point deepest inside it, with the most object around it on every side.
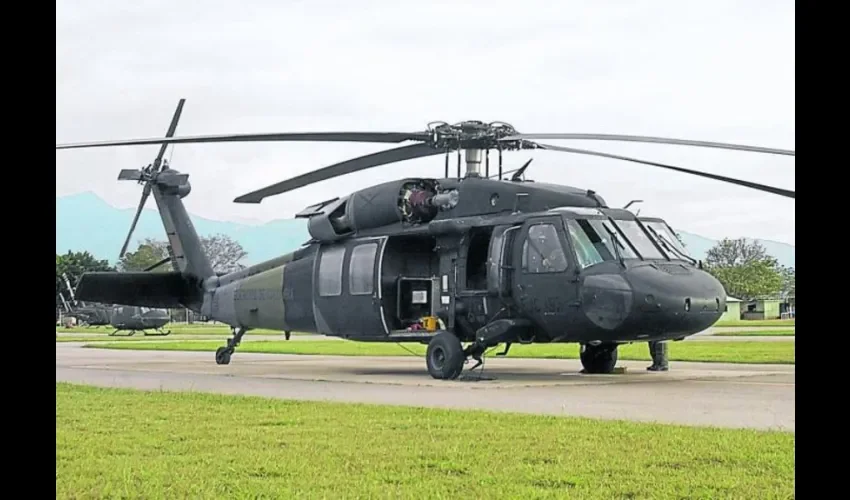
(416, 201)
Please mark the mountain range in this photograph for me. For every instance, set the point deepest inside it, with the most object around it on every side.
(85, 222)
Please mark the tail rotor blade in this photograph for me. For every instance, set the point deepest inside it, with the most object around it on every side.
(172, 128)
(739, 182)
(145, 194)
(154, 266)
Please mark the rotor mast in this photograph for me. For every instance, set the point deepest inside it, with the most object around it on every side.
(473, 158)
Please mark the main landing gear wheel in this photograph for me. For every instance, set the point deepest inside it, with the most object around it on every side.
(598, 358)
(445, 357)
(222, 355)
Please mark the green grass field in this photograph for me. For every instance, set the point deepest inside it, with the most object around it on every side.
(756, 333)
(725, 352)
(124, 443)
(766, 322)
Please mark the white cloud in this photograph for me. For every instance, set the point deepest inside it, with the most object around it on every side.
(679, 69)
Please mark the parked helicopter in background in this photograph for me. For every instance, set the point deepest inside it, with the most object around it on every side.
(442, 261)
(86, 314)
(123, 318)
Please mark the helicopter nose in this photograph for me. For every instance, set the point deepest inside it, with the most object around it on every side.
(674, 299)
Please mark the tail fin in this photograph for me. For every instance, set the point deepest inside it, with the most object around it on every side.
(184, 286)
(168, 188)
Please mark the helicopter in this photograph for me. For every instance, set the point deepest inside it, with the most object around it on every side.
(131, 319)
(463, 259)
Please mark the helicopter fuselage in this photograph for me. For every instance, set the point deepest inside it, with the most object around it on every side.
(486, 259)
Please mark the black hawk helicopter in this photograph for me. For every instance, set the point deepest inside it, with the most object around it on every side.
(130, 319)
(443, 261)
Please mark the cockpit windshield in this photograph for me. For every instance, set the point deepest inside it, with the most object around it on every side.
(593, 242)
(638, 238)
(667, 239)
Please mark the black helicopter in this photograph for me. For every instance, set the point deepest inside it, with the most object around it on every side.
(122, 318)
(464, 259)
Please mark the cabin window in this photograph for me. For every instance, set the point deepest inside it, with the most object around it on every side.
(330, 271)
(360, 269)
(542, 251)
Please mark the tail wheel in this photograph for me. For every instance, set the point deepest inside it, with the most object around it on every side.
(445, 356)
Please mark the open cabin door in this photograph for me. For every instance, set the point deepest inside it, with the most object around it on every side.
(347, 293)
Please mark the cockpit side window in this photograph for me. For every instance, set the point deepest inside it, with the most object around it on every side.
(587, 252)
(542, 251)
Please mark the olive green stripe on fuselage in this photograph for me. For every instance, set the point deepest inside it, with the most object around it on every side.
(258, 302)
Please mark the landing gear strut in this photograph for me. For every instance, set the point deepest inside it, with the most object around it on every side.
(222, 354)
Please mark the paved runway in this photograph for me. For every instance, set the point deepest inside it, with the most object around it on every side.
(728, 395)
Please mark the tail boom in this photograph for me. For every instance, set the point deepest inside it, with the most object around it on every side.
(145, 289)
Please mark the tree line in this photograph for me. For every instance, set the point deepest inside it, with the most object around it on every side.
(748, 272)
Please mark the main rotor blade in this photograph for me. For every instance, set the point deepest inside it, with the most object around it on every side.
(145, 193)
(170, 133)
(659, 140)
(388, 137)
(752, 185)
(346, 167)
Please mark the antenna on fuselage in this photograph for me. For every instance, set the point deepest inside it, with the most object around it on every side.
(630, 204)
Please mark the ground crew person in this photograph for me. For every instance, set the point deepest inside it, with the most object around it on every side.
(658, 352)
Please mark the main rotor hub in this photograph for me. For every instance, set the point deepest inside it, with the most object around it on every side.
(474, 134)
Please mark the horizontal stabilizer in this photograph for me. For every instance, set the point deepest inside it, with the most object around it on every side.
(145, 289)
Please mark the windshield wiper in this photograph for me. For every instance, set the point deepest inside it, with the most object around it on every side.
(616, 245)
(669, 245)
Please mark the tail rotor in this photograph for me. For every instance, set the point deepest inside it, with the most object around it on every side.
(148, 175)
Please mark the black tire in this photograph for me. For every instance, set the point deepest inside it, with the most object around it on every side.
(599, 359)
(222, 356)
(445, 357)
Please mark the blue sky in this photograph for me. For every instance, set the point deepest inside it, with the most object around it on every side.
(723, 71)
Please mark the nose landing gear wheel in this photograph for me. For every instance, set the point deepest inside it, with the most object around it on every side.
(445, 356)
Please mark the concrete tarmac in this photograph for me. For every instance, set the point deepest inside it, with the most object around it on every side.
(708, 394)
